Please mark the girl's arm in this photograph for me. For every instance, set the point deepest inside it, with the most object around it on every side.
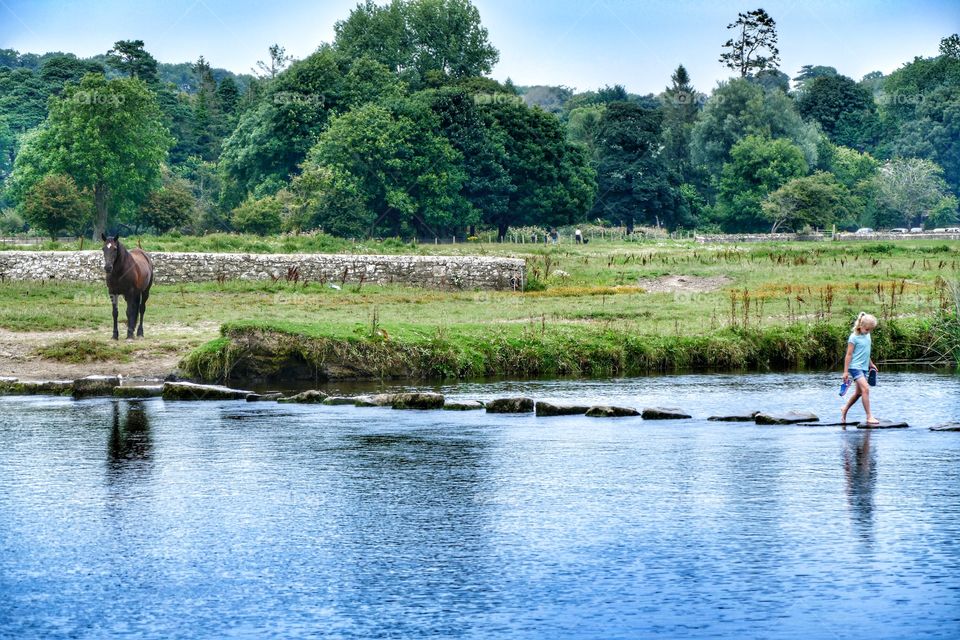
(873, 366)
(846, 362)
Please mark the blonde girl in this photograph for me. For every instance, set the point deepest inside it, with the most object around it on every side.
(857, 365)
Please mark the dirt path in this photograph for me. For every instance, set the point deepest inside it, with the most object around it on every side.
(151, 358)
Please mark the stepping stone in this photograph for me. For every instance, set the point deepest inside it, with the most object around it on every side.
(790, 417)
(463, 405)
(946, 427)
(37, 387)
(191, 391)
(737, 417)
(139, 391)
(546, 409)
(884, 424)
(264, 397)
(375, 400)
(660, 413)
(339, 400)
(418, 401)
(612, 412)
(510, 405)
(826, 424)
(91, 386)
(305, 397)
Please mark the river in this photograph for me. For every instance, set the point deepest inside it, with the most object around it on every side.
(156, 519)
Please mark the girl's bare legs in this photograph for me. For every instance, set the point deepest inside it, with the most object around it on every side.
(862, 391)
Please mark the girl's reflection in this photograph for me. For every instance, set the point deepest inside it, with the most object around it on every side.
(860, 469)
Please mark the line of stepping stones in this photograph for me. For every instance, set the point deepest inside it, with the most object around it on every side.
(110, 386)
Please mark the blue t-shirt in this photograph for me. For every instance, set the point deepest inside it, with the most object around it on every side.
(861, 351)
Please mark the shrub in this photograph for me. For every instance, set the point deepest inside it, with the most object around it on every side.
(262, 217)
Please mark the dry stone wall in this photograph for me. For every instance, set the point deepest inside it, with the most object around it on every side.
(434, 272)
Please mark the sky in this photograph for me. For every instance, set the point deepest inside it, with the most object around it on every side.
(582, 44)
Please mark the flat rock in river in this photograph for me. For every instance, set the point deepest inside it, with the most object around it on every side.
(311, 396)
(36, 387)
(339, 400)
(418, 401)
(191, 391)
(546, 409)
(510, 405)
(271, 396)
(603, 411)
(736, 417)
(946, 427)
(790, 417)
(661, 413)
(884, 424)
(90, 386)
(463, 405)
(376, 400)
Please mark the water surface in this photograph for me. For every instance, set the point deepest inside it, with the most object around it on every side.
(226, 519)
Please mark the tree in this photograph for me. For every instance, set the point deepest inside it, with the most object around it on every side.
(59, 69)
(681, 106)
(55, 204)
(740, 108)
(816, 201)
(108, 136)
(583, 127)
(170, 207)
(808, 73)
(277, 62)
(757, 35)
(950, 46)
(757, 166)
(419, 38)
(910, 190)
(131, 59)
(633, 183)
(551, 180)
(330, 199)
(272, 139)
(845, 110)
(408, 176)
(262, 217)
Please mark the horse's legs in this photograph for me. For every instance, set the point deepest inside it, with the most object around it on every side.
(113, 301)
(133, 305)
(143, 307)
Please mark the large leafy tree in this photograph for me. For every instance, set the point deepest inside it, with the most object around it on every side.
(108, 135)
(758, 166)
(681, 106)
(845, 110)
(740, 108)
(634, 184)
(420, 39)
(54, 204)
(910, 191)
(754, 45)
(815, 201)
(551, 180)
(272, 139)
(407, 175)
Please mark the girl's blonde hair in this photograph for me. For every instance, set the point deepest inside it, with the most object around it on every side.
(864, 319)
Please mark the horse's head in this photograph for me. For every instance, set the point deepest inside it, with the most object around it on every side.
(111, 251)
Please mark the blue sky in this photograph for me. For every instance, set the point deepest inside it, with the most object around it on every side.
(579, 43)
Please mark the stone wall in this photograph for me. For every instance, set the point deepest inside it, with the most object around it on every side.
(435, 272)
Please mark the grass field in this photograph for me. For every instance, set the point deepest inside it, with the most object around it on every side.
(655, 289)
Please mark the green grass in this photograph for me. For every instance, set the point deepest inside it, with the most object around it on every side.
(79, 351)
(771, 287)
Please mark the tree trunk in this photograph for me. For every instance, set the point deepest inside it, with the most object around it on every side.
(502, 231)
(100, 200)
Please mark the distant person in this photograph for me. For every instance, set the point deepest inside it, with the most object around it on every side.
(578, 236)
(858, 366)
(554, 236)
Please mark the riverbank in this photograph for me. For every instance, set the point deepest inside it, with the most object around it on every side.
(260, 353)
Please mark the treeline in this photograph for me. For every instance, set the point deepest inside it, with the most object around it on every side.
(395, 129)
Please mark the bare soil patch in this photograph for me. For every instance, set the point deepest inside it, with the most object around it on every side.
(686, 284)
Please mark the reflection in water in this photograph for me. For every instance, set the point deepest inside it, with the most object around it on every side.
(130, 446)
(860, 470)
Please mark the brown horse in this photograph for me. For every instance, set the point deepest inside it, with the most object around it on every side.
(129, 274)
